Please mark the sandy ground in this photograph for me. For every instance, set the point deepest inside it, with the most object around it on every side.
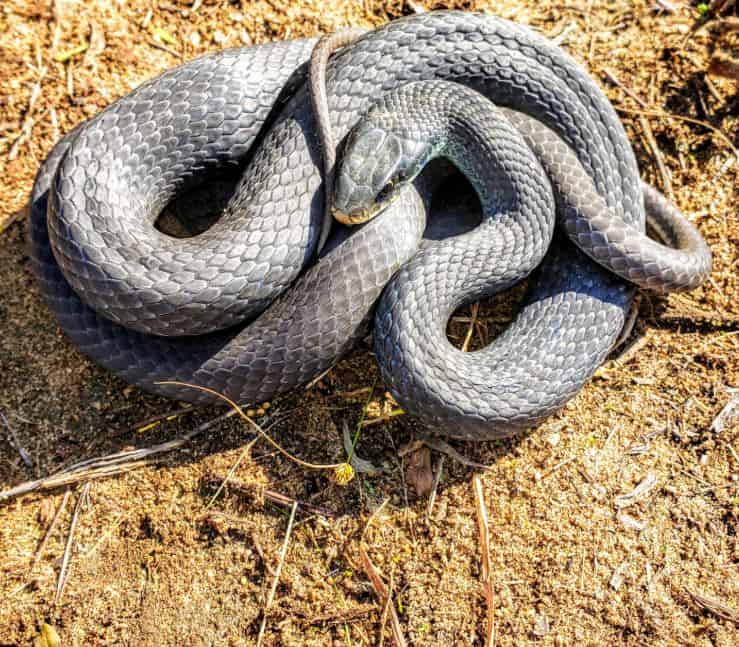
(164, 555)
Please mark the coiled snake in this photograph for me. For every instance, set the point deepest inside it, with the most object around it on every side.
(151, 307)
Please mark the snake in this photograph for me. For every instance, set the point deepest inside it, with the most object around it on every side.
(251, 308)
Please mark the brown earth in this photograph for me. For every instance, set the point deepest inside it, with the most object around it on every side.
(158, 558)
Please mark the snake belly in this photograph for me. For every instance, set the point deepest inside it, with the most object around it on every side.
(152, 308)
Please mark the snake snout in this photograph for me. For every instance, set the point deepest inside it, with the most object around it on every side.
(366, 175)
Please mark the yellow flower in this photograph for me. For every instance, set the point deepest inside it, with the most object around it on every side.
(343, 474)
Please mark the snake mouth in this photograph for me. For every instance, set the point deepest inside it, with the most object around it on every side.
(367, 213)
(355, 218)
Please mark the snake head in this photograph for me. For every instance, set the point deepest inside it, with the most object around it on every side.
(378, 161)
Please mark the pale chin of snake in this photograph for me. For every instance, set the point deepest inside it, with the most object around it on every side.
(152, 308)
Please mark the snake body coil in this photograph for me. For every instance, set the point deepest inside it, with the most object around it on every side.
(152, 308)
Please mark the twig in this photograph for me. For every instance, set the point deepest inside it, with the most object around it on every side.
(163, 47)
(658, 157)
(360, 465)
(386, 610)
(238, 410)
(629, 324)
(14, 443)
(648, 134)
(630, 351)
(445, 448)
(727, 415)
(27, 125)
(557, 467)
(49, 531)
(386, 418)
(383, 594)
(473, 320)
(669, 115)
(260, 550)
(486, 577)
(318, 378)
(716, 607)
(435, 486)
(109, 465)
(560, 38)
(375, 513)
(231, 470)
(614, 79)
(64, 572)
(276, 497)
(639, 493)
(276, 579)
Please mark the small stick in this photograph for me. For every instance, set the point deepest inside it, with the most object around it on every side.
(109, 465)
(49, 531)
(631, 350)
(728, 413)
(64, 572)
(376, 513)
(278, 498)
(558, 466)
(471, 329)
(260, 550)
(386, 418)
(487, 579)
(15, 444)
(715, 607)
(435, 486)
(445, 448)
(658, 157)
(318, 378)
(614, 79)
(231, 471)
(629, 324)
(163, 47)
(669, 115)
(276, 579)
(383, 594)
(385, 610)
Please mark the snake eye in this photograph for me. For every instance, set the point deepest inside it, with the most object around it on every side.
(385, 192)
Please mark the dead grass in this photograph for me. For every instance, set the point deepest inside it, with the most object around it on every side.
(151, 563)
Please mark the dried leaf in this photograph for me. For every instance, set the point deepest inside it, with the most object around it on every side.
(638, 493)
(418, 473)
(63, 57)
(163, 36)
(47, 637)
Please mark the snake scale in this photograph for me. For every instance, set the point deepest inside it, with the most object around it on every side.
(245, 309)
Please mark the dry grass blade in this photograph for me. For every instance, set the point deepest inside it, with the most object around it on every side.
(445, 448)
(360, 465)
(276, 579)
(435, 488)
(64, 572)
(50, 530)
(109, 465)
(487, 579)
(383, 594)
(257, 492)
(240, 412)
(668, 115)
(728, 414)
(15, 444)
(716, 607)
(639, 493)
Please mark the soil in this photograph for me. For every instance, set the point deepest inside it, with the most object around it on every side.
(168, 554)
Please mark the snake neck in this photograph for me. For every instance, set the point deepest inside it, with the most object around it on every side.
(440, 119)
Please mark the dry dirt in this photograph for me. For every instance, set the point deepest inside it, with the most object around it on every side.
(158, 558)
